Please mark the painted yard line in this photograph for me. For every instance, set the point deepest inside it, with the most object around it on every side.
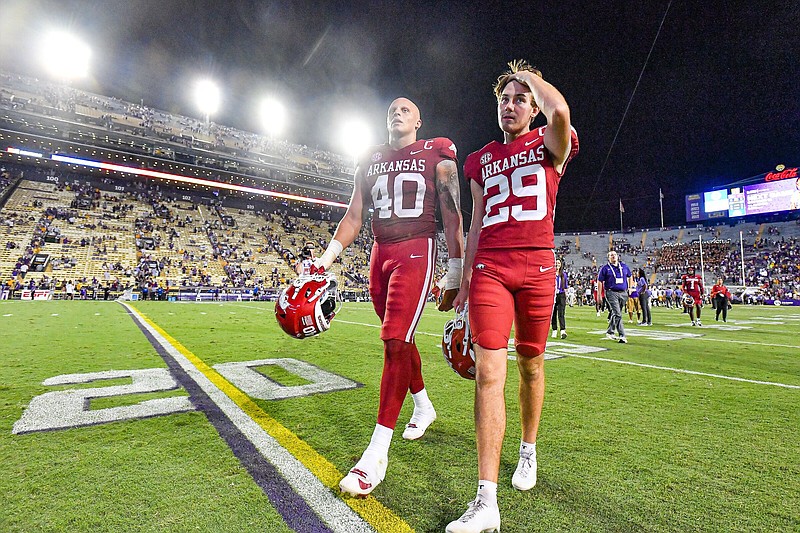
(751, 343)
(732, 341)
(682, 371)
(652, 366)
(310, 474)
(295, 511)
(703, 338)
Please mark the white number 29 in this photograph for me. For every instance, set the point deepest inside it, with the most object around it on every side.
(537, 190)
(383, 200)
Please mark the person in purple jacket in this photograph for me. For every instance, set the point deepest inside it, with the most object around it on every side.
(618, 282)
(643, 288)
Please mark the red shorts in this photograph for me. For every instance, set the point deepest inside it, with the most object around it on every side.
(512, 286)
(400, 277)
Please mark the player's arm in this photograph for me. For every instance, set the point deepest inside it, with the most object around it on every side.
(450, 206)
(348, 228)
(472, 244)
(557, 136)
(298, 267)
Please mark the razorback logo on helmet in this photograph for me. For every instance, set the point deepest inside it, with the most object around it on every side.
(307, 306)
(457, 346)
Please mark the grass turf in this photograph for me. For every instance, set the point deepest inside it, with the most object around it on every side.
(621, 447)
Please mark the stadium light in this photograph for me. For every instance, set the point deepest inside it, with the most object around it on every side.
(355, 136)
(207, 97)
(64, 56)
(273, 116)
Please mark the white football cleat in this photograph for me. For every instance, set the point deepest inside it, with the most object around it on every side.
(610, 337)
(563, 334)
(555, 334)
(419, 423)
(480, 517)
(364, 477)
(524, 477)
(623, 340)
(698, 322)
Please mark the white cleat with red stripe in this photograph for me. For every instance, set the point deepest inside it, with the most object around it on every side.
(365, 476)
(420, 420)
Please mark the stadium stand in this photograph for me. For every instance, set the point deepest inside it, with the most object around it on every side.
(62, 225)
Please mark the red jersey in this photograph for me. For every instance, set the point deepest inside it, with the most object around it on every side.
(401, 187)
(519, 185)
(692, 284)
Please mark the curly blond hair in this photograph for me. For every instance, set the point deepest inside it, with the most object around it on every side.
(517, 65)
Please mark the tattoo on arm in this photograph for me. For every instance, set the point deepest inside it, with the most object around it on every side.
(448, 188)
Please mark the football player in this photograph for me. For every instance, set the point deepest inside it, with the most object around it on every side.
(692, 284)
(510, 275)
(402, 182)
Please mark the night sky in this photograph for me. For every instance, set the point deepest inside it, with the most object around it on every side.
(718, 102)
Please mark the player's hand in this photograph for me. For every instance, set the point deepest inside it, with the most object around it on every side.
(448, 298)
(461, 298)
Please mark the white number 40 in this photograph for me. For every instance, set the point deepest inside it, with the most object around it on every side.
(383, 201)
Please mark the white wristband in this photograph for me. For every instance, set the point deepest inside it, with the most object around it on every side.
(452, 279)
(331, 253)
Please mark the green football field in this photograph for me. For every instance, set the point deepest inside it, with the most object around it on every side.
(206, 417)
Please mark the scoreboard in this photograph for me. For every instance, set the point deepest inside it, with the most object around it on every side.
(778, 191)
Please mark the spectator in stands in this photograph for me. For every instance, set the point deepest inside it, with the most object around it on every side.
(560, 306)
(616, 279)
(401, 267)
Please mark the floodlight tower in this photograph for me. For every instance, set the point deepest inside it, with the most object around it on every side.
(207, 97)
(273, 117)
(64, 56)
(354, 137)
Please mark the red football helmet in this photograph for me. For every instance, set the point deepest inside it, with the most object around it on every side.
(457, 346)
(306, 307)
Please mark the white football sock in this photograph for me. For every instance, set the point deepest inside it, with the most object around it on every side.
(421, 400)
(380, 441)
(487, 491)
(527, 448)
